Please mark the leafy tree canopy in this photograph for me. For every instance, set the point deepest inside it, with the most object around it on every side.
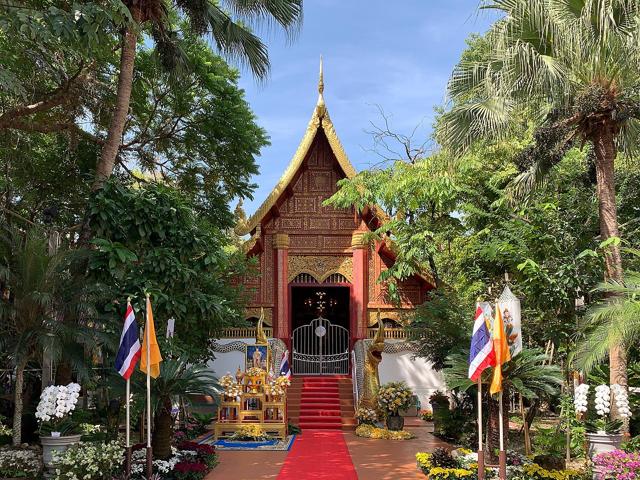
(150, 239)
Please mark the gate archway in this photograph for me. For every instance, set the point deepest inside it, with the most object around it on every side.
(320, 348)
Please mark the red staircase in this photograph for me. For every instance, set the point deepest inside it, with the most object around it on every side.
(321, 402)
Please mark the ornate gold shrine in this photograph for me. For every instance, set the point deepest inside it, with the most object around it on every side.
(253, 399)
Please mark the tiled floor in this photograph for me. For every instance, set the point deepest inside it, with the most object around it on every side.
(373, 459)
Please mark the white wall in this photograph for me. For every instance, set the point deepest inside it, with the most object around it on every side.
(416, 373)
(229, 362)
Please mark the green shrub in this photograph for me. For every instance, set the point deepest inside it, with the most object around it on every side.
(19, 463)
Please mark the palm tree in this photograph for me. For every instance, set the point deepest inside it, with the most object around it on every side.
(178, 379)
(37, 290)
(572, 66)
(612, 322)
(528, 374)
(232, 38)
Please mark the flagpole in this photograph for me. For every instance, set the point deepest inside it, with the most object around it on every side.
(502, 456)
(128, 454)
(480, 446)
(128, 428)
(148, 340)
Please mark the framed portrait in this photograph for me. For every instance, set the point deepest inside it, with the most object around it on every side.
(258, 356)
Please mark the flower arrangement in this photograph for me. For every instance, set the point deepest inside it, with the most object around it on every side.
(393, 397)
(188, 461)
(283, 381)
(255, 372)
(57, 402)
(370, 431)
(233, 390)
(251, 432)
(227, 381)
(278, 386)
(602, 403)
(426, 415)
(20, 462)
(617, 464)
(89, 461)
(463, 464)
(366, 416)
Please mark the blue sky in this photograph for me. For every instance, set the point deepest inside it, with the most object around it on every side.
(376, 52)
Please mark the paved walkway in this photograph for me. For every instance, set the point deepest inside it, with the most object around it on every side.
(373, 459)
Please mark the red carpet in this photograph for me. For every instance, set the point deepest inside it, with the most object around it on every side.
(320, 404)
(318, 455)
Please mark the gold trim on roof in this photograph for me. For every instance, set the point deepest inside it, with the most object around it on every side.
(319, 120)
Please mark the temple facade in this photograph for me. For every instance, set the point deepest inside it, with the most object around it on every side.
(303, 247)
(316, 293)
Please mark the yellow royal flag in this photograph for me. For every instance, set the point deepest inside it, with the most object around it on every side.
(150, 342)
(501, 349)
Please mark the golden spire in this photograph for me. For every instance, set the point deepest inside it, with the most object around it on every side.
(321, 79)
(320, 107)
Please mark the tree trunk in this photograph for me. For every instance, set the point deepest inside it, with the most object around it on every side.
(162, 430)
(493, 427)
(104, 168)
(17, 402)
(605, 151)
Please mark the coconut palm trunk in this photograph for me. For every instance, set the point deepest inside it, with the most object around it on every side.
(17, 402)
(107, 159)
(605, 152)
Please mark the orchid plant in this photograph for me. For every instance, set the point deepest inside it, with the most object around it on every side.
(602, 403)
(57, 402)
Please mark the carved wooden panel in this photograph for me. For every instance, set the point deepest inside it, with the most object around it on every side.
(319, 223)
(304, 204)
(320, 266)
(321, 181)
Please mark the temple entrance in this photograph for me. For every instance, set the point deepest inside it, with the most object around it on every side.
(320, 337)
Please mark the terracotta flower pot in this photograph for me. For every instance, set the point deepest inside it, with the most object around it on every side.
(55, 444)
(395, 422)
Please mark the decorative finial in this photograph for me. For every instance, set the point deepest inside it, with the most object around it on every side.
(321, 79)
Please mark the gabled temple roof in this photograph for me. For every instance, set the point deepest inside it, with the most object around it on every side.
(319, 120)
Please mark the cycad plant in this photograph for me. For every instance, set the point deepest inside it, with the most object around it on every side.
(37, 292)
(574, 68)
(177, 381)
(611, 322)
(227, 23)
(528, 374)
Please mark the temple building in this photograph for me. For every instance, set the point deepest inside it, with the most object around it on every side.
(317, 290)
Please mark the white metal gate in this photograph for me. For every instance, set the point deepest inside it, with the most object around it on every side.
(320, 348)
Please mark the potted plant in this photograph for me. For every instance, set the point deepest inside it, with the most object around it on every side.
(58, 430)
(603, 434)
(393, 397)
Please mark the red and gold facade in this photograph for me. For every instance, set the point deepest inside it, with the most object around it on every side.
(294, 236)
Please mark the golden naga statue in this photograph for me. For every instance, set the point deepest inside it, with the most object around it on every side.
(372, 359)
(261, 337)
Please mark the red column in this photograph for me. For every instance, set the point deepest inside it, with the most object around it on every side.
(359, 296)
(281, 328)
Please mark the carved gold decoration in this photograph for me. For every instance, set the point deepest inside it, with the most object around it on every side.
(373, 358)
(260, 312)
(261, 338)
(357, 240)
(281, 241)
(402, 316)
(319, 120)
(320, 266)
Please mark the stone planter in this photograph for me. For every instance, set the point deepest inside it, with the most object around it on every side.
(395, 422)
(602, 442)
(55, 444)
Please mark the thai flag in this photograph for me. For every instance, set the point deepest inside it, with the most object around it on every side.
(284, 365)
(482, 355)
(130, 349)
